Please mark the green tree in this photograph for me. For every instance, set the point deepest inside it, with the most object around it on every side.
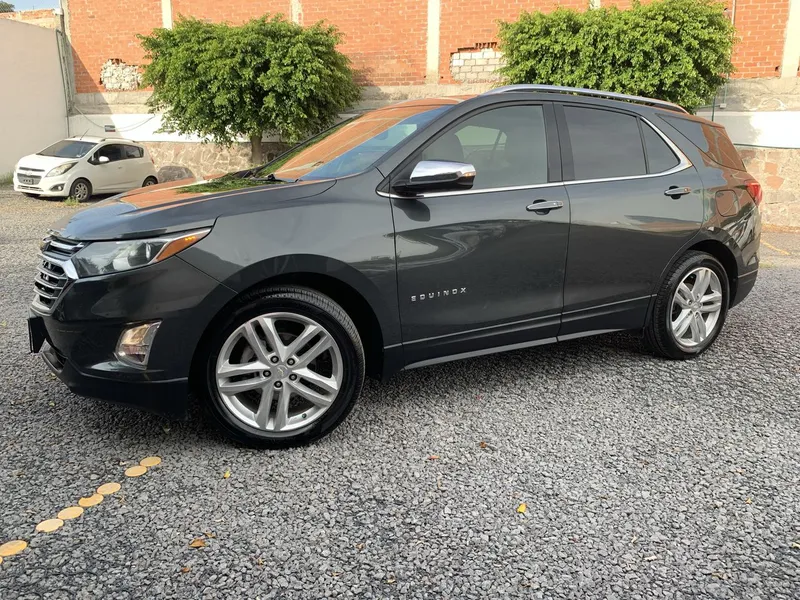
(677, 50)
(266, 76)
(6, 7)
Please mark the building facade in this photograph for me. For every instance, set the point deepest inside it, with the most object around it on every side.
(401, 42)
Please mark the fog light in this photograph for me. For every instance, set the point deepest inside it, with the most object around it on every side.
(57, 188)
(135, 343)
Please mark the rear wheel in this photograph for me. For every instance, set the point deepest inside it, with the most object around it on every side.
(284, 369)
(81, 190)
(149, 181)
(690, 308)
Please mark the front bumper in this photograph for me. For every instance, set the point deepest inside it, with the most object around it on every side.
(84, 325)
(47, 187)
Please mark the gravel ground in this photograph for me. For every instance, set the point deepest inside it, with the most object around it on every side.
(642, 478)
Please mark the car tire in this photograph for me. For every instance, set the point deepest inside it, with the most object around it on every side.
(81, 190)
(255, 416)
(150, 181)
(674, 330)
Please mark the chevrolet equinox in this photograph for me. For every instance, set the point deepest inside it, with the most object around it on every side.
(423, 232)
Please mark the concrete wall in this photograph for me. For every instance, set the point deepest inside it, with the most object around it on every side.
(33, 111)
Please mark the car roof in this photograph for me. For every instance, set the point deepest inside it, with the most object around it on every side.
(97, 140)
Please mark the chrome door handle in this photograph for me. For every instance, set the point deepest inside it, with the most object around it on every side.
(542, 207)
(676, 192)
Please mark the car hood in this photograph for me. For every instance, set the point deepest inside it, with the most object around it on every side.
(177, 206)
(35, 161)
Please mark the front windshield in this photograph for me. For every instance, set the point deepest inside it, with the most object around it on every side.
(68, 149)
(353, 145)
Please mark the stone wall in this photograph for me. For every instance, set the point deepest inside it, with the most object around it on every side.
(476, 65)
(117, 76)
(778, 171)
(176, 160)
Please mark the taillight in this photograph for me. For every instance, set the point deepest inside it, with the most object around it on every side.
(754, 188)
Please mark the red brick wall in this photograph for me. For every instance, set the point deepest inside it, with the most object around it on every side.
(386, 39)
(464, 23)
(761, 25)
(233, 11)
(43, 17)
(100, 30)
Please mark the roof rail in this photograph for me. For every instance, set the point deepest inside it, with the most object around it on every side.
(534, 87)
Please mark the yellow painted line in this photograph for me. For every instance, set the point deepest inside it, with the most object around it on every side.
(13, 547)
(778, 250)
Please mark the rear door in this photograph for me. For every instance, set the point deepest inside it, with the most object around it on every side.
(139, 166)
(625, 226)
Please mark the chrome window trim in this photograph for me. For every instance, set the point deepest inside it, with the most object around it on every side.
(683, 164)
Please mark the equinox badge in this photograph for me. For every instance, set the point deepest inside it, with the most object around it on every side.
(439, 294)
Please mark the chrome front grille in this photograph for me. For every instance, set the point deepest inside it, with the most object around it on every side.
(30, 170)
(51, 274)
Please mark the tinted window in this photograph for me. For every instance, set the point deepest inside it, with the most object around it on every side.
(604, 143)
(660, 157)
(133, 152)
(712, 140)
(112, 152)
(68, 149)
(507, 146)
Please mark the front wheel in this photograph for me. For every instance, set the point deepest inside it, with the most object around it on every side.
(80, 190)
(690, 308)
(284, 368)
(149, 181)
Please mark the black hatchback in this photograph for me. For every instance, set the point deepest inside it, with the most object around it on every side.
(418, 233)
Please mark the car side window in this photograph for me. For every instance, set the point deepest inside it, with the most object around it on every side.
(133, 152)
(113, 152)
(660, 156)
(507, 146)
(604, 143)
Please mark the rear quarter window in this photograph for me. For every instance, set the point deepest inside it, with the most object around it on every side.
(711, 140)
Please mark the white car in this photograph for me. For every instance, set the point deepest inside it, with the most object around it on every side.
(80, 167)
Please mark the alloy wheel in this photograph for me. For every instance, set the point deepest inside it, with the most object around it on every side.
(80, 192)
(279, 372)
(696, 307)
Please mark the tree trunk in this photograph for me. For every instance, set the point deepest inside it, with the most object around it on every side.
(256, 155)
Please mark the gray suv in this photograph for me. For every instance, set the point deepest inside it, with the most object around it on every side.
(411, 235)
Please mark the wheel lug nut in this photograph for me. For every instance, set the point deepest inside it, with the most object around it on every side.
(274, 359)
(290, 362)
(292, 377)
(267, 374)
(278, 384)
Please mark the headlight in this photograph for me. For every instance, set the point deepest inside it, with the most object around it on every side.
(61, 169)
(101, 258)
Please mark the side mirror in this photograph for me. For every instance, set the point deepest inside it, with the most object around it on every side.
(103, 160)
(439, 176)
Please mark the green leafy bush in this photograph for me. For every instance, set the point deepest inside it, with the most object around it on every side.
(267, 76)
(677, 50)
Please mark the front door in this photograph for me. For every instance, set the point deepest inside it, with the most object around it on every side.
(109, 176)
(484, 268)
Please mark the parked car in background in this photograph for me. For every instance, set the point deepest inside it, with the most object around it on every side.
(80, 167)
(415, 234)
